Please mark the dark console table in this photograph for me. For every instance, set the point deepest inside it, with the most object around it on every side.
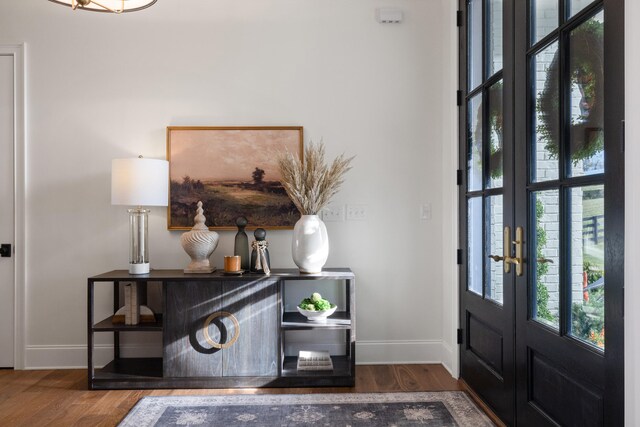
(221, 331)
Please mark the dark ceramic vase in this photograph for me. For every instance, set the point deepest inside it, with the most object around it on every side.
(241, 246)
(260, 234)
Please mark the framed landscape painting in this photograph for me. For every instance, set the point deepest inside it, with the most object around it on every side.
(234, 172)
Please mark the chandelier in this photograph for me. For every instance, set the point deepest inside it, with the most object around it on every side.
(110, 6)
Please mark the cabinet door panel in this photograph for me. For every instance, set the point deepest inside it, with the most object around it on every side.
(255, 305)
(186, 350)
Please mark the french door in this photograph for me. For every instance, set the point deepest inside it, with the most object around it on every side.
(542, 199)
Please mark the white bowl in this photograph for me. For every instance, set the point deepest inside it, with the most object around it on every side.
(317, 316)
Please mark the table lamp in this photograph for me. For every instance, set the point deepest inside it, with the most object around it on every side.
(139, 182)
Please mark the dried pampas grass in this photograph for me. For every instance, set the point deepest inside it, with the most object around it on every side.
(312, 183)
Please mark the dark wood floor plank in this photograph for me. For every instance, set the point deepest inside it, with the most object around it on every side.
(406, 379)
(385, 379)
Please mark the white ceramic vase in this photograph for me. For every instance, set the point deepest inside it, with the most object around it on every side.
(199, 244)
(310, 245)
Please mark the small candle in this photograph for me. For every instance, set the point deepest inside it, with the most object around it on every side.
(232, 263)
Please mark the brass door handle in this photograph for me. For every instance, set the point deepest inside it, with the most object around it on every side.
(236, 332)
(544, 260)
(511, 260)
(506, 247)
(507, 259)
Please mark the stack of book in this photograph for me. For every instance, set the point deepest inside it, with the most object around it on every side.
(132, 312)
(314, 361)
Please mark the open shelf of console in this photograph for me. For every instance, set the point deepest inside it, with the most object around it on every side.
(107, 325)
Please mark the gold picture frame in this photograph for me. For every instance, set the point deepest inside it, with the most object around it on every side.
(233, 171)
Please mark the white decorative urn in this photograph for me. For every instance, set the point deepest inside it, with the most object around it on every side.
(199, 244)
(310, 244)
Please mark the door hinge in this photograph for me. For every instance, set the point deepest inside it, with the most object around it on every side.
(459, 98)
(459, 177)
(459, 336)
(459, 257)
(459, 18)
(5, 250)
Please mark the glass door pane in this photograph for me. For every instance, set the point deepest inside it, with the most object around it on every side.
(545, 18)
(495, 246)
(586, 67)
(587, 264)
(576, 6)
(496, 127)
(474, 56)
(545, 265)
(545, 67)
(475, 261)
(495, 36)
(475, 148)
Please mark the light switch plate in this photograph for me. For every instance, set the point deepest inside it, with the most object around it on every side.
(425, 212)
(333, 213)
(356, 212)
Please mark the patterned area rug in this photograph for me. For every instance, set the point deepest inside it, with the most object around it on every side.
(333, 410)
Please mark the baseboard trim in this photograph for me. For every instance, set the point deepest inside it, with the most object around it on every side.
(398, 351)
(75, 356)
(367, 353)
(448, 358)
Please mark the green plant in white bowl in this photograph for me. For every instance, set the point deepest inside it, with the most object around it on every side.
(316, 308)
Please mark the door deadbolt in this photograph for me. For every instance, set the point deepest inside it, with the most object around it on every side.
(5, 250)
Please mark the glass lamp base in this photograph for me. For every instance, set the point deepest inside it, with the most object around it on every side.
(139, 268)
(139, 238)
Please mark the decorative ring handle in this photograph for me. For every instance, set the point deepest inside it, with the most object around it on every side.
(205, 329)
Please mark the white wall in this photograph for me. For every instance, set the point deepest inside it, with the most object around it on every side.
(632, 207)
(103, 86)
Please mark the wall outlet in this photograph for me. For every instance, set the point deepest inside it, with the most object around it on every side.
(333, 213)
(425, 212)
(356, 212)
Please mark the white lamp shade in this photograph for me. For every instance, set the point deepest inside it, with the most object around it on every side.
(140, 182)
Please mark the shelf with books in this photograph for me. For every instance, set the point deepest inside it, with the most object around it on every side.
(108, 325)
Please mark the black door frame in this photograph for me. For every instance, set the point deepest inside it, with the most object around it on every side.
(614, 116)
(515, 127)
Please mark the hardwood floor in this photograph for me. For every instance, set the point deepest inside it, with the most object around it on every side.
(61, 398)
